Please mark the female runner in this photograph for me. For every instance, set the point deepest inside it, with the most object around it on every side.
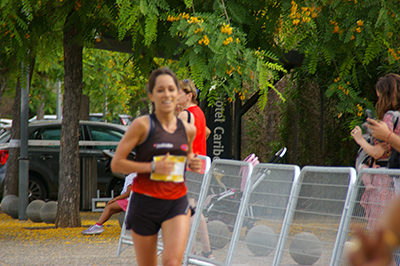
(163, 145)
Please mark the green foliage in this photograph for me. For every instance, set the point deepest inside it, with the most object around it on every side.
(347, 39)
(111, 85)
(150, 30)
(220, 45)
(214, 52)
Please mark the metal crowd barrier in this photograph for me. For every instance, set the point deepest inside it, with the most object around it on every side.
(277, 215)
(365, 207)
(266, 213)
(222, 201)
(316, 216)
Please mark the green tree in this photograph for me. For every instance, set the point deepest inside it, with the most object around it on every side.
(347, 46)
(221, 45)
(111, 85)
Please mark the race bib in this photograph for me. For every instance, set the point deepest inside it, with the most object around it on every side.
(176, 175)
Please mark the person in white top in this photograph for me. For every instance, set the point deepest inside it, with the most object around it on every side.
(116, 205)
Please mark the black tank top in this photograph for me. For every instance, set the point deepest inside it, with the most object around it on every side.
(159, 142)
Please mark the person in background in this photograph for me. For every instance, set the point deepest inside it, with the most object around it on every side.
(379, 191)
(115, 205)
(163, 145)
(378, 247)
(189, 111)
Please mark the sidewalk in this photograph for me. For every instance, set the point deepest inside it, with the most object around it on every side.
(28, 243)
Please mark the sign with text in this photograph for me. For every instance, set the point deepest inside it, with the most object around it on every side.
(219, 121)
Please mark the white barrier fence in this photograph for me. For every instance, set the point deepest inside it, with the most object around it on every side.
(277, 215)
(316, 216)
(365, 207)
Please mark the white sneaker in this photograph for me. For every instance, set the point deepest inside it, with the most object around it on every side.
(93, 230)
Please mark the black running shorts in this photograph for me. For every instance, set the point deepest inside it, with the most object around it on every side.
(146, 214)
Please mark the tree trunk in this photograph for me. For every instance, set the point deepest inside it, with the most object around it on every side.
(69, 177)
(12, 170)
(84, 112)
(4, 76)
(3, 83)
(40, 110)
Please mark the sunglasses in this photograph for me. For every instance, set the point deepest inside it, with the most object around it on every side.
(191, 89)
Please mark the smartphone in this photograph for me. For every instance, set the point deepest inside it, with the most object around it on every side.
(364, 125)
(369, 114)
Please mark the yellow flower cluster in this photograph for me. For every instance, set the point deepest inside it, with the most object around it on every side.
(226, 29)
(78, 5)
(172, 18)
(306, 14)
(230, 71)
(181, 15)
(358, 29)
(204, 40)
(359, 110)
(241, 96)
(228, 41)
(198, 30)
(392, 52)
(345, 91)
(230, 99)
(335, 26)
(194, 20)
(337, 79)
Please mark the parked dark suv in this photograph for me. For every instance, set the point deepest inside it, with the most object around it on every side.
(44, 159)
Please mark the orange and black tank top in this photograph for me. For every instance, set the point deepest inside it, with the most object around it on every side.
(160, 142)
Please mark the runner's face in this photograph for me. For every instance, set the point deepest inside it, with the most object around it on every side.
(165, 93)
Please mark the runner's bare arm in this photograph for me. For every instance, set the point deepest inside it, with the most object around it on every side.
(135, 135)
(194, 162)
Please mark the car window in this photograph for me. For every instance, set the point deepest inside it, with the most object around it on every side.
(96, 118)
(105, 134)
(5, 137)
(51, 134)
(35, 134)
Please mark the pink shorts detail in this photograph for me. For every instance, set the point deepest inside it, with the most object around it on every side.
(123, 203)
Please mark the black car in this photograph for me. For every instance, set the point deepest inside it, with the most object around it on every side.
(44, 159)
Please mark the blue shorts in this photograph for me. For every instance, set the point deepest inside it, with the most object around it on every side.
(146, 214)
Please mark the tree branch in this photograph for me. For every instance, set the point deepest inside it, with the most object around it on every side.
(226, 14)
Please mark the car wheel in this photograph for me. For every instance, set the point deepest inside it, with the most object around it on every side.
(116, 184)
(36, 189)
